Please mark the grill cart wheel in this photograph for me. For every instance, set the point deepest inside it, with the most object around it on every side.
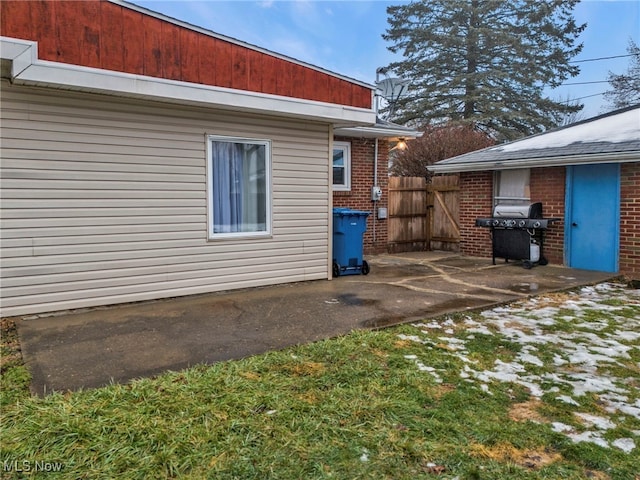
(527, 264)
(543, 261)
(365, 268)
(336, 269)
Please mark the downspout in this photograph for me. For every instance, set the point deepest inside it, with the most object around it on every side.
(375, 163)
(375, 154)
(375, 184)
(330, 212)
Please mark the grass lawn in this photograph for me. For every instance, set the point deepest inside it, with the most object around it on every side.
(547, 388)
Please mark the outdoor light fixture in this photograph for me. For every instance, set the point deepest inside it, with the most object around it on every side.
(401, 145)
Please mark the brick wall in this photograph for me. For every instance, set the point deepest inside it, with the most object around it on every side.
(359, 198)
(548, 186)
(476, 200)
(629, 259)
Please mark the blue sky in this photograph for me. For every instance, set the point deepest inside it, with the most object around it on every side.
(345, 36)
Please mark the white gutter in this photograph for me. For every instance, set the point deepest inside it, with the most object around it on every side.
(27, 69)
(610, 157)
(377, 132)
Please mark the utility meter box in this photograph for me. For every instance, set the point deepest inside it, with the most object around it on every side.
(376, 193)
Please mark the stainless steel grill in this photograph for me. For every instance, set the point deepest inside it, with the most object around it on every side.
(517, 232)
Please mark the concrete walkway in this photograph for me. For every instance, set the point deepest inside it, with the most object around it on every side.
(94, 347)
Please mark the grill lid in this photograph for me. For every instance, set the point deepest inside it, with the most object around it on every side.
(533, 210)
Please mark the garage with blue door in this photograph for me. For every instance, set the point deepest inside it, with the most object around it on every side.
(586, 175)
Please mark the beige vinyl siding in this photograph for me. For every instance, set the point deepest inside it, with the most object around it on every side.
(104, 201)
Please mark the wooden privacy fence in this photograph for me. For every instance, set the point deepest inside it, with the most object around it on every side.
(423, 217)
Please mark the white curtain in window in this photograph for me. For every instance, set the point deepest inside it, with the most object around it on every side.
(227, 186)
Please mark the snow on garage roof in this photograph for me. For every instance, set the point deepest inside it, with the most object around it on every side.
(613, 137)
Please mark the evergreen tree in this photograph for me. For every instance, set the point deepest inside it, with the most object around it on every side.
(484, 62)
(626, 87)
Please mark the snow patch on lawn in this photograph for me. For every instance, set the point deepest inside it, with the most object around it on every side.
(590, 348)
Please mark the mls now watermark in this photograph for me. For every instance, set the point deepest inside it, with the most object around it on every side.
(27, 466)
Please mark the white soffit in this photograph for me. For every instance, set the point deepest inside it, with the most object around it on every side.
(27, 69)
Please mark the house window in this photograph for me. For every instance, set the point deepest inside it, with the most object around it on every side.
(512, 187)
(341, 166)
(238, 187)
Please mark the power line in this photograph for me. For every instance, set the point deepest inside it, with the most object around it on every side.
(582, 98)
(603, 58)
(585, 83)
(595, 81)
(589, 96)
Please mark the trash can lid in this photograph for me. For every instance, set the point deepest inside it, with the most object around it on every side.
(348, 211)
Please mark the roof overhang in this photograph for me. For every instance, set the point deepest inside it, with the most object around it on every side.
(20, 63)
(563, 161)
(613, 137)
(386, 130)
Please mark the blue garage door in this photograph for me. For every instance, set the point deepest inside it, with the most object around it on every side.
(593, 213)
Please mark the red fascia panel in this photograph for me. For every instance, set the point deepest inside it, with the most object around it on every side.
(309, 84)
(223, 64)
(323, 91)
(207, 63)
(363, 98)
(269, 74)
(171, 58)
(240, 71)
(190, 55)
(298, 87)
(284, 79)
(111, 37)
(105, 35)
(15, 19)
(132, 43)
(89, 43)
(152, 51)
(43, 13)
(255, 70)
(335, 86)
(69, 33)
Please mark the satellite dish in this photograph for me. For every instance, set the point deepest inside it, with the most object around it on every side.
(391, 89)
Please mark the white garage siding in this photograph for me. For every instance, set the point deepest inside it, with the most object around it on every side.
(104, 201)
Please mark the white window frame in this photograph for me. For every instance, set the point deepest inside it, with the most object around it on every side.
(346, 152)
(268, 194)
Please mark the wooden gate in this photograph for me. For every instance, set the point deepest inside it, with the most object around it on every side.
(408, 215)
(445, 228)
(424, 217)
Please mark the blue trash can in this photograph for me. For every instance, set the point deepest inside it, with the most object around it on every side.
(348, 230)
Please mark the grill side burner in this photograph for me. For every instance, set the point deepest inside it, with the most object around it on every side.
(517, 233)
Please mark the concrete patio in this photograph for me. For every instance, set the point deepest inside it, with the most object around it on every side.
(94, 347)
